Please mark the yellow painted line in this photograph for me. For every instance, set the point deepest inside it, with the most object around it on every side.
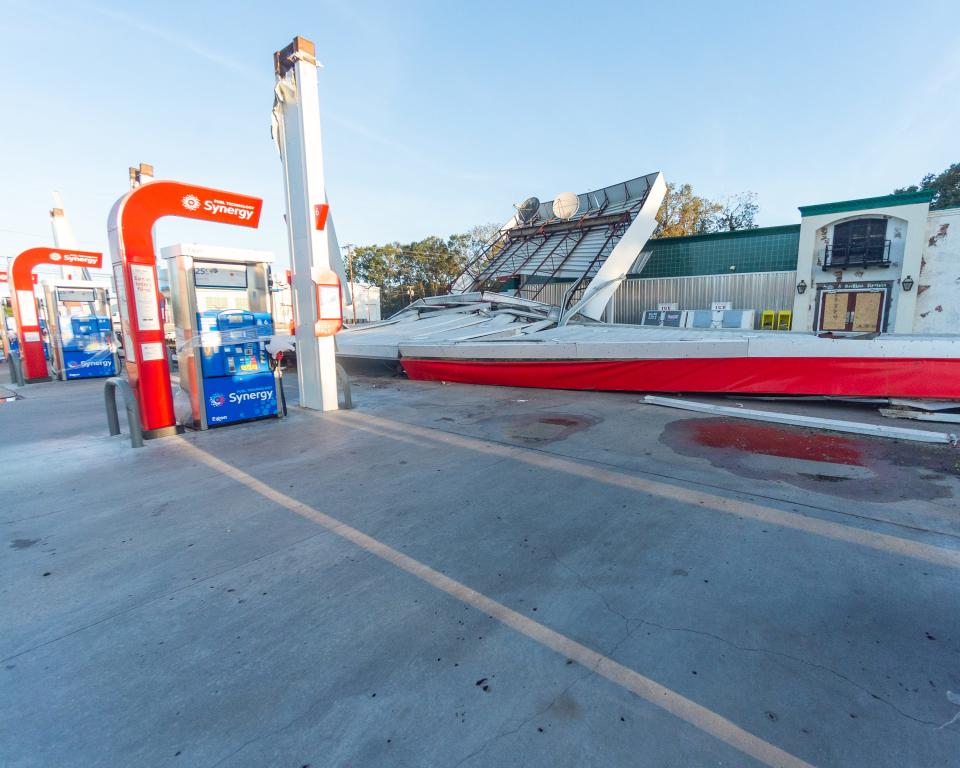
(687, 710)
(883, 542)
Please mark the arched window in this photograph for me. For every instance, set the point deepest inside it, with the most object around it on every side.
(859, 243)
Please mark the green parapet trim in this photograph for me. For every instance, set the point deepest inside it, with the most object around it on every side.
(885, 201)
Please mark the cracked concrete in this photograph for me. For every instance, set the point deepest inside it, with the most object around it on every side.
(639, 622)
(182, 621)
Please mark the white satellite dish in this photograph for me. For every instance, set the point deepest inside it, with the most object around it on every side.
(566, 205)
(528, 209)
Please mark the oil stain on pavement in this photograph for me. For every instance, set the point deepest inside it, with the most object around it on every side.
(868, 469)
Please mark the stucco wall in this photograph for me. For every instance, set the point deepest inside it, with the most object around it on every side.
(906, 228)
(938, 285)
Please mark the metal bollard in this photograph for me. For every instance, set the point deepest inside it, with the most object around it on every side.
(110, 388)
(344, 381)
(16, 370)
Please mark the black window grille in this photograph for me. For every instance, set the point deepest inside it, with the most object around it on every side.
(858, 243)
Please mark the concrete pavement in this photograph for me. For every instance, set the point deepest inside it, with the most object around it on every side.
(454, 575)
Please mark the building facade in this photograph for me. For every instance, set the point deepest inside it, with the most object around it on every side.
(876, 265)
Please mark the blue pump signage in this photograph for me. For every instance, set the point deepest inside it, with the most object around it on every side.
(238, 398)
(88, 350)
(79, 364)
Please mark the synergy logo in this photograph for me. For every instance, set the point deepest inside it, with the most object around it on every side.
(190, 202)
(217, 400)
(241, 397)
(92, 260)
(217, 208)
(221, 208)
(77, 258)
(89, 363)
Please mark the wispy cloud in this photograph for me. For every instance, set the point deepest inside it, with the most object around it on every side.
(927, 111)
(184, 43)
(416, 155)
(178, 40)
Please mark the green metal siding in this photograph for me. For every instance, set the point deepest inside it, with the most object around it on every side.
(771, 249)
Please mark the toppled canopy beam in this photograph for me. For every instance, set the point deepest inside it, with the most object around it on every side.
(812, 422)
(898, 413)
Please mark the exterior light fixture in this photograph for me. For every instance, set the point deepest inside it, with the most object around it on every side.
(802, 287)
(907, 283)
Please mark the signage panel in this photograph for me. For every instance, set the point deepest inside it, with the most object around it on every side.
(215, 275)
(84, 295)
(28, 308)
(145, 297)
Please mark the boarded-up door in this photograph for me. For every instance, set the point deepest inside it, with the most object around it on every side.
(851, 311)
(866, 311)
(834, 313)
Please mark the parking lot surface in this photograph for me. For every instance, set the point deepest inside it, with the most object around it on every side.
(473, 576)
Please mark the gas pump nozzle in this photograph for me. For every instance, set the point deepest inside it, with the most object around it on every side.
(276, 361)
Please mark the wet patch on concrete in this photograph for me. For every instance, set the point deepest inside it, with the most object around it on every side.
(819, 476)
(566, 707)
(23, 543)
(542, 428)
(866, 469)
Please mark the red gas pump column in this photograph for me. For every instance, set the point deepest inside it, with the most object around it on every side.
(25, 303)
(135, 272)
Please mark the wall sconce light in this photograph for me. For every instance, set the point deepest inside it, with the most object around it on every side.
(906, 283)
(801, 287)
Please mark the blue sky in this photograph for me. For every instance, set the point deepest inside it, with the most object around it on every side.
(440, 115)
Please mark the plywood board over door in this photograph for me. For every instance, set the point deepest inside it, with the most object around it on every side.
(852, 311)
(834, 316)
(866, 311)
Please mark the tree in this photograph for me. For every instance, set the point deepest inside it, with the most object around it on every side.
(737, 212)
(427, 267)
(473, 243)
(481, 241)
(946, 185)
(684, 213)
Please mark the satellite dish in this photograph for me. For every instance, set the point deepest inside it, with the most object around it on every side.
(566, 205)
(528, 209)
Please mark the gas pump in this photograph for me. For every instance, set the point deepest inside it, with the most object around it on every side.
(79, 329)
(221, 309)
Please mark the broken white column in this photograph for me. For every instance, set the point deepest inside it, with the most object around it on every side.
(313, 244)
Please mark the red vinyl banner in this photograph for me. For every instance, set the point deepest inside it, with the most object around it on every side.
(847, 376)
(135, 272)
(25, 310)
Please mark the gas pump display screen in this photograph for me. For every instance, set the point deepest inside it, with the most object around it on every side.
(76, 294)
(220, 275)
